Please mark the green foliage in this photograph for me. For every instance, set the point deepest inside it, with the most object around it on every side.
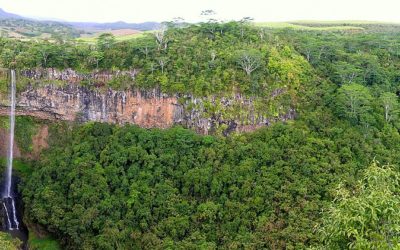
(391, 106)
(8, 243)
(4, 122)
(205, 60)
(25, 128)
(121, 82)
(201, 59)
(42, 243)
(365, 216)
(21, 168)
(354, 102)
(102, 186)
(134, 188)
(105, 41)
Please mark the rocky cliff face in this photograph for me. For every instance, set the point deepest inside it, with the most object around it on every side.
(146, 108)
(72, 102)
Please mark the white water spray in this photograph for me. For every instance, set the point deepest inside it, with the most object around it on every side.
(8, 200)
(11, 139)
(8, 218)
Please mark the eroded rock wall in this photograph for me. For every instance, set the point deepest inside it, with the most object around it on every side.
(147, 109)
(42, 97)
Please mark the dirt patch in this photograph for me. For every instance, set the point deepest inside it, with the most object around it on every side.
(39, 141)
(4, 139)
(118, 32)
(124, 32)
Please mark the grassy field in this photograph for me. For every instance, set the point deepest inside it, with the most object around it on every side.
(119, 36)
(339, 25)
(300, 26)
(342, 22)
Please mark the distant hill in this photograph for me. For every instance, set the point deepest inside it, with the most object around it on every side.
(87, 26)
(20, 27)
(16, 26)
(115, 26)
(28, 28)
(6, 15)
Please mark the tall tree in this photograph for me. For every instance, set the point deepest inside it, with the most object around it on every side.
(105, 41)
(249, 61)
(391, 106)
(161, 38)
(354, 101)
(366, 216)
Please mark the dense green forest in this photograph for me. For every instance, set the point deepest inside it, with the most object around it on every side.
(199, 59)
(327, 180)
(106, 187)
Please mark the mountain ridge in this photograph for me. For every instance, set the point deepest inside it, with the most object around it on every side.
(4, 15)
(149, 25)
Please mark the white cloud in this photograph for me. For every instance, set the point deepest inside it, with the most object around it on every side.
(161, 10)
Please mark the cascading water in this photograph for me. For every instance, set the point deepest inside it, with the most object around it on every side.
(8, 197)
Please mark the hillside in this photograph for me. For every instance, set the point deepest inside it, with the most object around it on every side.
(177, 65)
(16, 26)
(6, 15)
(28, 29)
(211, 136)
(115, 26)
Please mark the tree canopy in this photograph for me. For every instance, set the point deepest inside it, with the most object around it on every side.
(102, 186)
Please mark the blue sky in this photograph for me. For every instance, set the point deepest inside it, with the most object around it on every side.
(165, 10)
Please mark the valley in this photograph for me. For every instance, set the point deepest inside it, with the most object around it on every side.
(213, 135)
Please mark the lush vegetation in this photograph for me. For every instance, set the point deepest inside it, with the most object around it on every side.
(200, 59)
(106, 187)
(38, 239)
(36, 242)
(312, 182)
(211, 61)
(25, 129)
(365, 216)
(7, 243)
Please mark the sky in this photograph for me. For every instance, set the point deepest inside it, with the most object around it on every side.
(166, 10)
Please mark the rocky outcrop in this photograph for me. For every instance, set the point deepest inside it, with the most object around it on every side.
(146, 108)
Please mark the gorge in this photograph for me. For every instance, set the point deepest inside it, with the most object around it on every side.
(206, 136)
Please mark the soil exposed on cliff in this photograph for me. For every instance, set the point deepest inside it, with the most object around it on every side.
(39, 142)
(4, 138)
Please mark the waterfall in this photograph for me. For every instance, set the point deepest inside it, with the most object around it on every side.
(8, 199)
(11, 139)
(103, 108)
